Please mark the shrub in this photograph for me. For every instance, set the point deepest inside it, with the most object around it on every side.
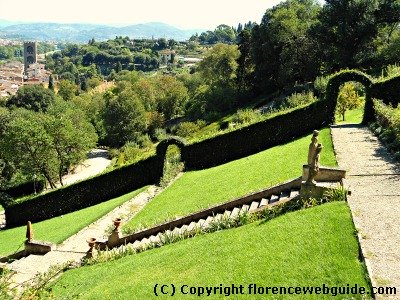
(246, 116)
(186, 129)
(160, 134)
(387, 126)
(298, 99)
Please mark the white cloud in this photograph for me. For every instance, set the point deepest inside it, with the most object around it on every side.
(185, 14)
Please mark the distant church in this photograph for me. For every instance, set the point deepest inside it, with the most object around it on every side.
(30, 54)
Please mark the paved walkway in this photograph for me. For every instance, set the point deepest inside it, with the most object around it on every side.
(74, 248)
(374, 182)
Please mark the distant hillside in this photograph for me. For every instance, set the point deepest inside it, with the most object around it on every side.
(84, 32)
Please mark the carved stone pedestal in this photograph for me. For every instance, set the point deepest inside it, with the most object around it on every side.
(318, 190)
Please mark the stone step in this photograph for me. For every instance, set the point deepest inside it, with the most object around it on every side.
(235, 212)
(274, 198)
(254, 205)
(245, 208)
(294, 193)
(200, 223)
(208, 221)
(192, 226)
(263, 202)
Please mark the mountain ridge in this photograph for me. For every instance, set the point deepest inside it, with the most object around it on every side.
(81, 32)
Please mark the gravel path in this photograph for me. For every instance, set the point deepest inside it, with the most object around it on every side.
(374, 181)
(96, 163)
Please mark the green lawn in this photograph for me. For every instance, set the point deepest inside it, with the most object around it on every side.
(200, 189)
(305, 248)
(354, 116)
(60, 228)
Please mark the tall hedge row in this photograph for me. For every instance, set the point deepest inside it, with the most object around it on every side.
(211, 152)
(387, 90)
(256, 137)
(85, 193)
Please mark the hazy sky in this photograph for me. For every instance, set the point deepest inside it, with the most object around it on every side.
(200, 14)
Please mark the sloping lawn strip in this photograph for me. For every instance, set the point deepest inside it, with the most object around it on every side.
(200, 189)
(60, 228)
(310, 247)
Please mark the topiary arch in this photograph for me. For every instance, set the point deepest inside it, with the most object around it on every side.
(387, 90)
(162, 147)
(337, 80)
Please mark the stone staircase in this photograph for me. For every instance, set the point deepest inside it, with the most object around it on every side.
(207, 218)
(25, 268)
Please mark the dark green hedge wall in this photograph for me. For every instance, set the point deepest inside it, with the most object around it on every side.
(255, 138)
(25, 189)
(387, 90)
(85, 193)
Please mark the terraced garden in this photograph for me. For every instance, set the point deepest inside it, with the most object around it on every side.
(305, 248)
(200, 189)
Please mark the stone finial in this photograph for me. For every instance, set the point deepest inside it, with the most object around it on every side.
(29, 232)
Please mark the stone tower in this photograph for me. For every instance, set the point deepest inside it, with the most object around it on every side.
(30, 54)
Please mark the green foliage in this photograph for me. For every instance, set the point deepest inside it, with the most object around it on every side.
(297, 100)
(186, 129)
(172, 165)
(219, 65)
(246, 116)
(283, 53)
(67, 89)
(348, 99)
(85, 193)
(124, 118)
(32, 97)
(387, 126)
(345, 32)
(47, 144)
(333, 88)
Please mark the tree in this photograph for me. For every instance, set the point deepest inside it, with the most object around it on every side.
(124, 118)
(67, 90)
(32, 97)
(348, 99)
(219, 65)
(245, 68)
(47, 144)
(282, 50)
(51, 83)
(28, 146)
(72, 135)
(345, 32)
(171, 96)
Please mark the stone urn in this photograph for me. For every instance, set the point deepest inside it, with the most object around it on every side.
(91, 242)
(117, 223)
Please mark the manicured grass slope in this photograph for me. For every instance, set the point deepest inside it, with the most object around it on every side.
(353, 116)
(308, 247)
(60, 228)
(200, 189)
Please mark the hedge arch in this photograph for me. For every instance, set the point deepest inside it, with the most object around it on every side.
(162, 147)
(332, 92)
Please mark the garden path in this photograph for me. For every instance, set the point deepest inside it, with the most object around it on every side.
(74, 248)
(374, 181)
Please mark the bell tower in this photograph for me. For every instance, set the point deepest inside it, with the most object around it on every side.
(30, 54)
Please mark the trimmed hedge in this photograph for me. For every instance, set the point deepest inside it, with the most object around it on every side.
(332, 92)
(85, 193)
(24, 189)
(256, 137)
(208, 153)
(387, 90)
